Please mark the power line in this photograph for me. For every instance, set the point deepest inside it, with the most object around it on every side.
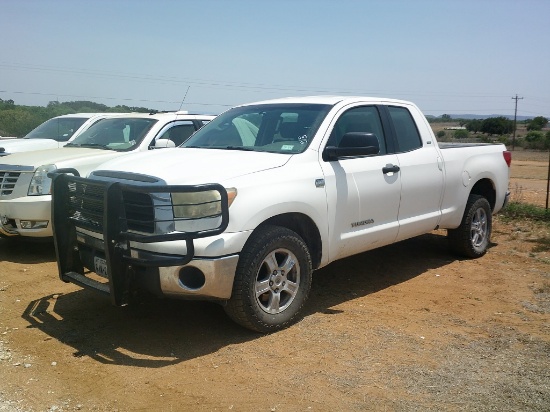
(88, 97)
(226, 84)
(446, 98)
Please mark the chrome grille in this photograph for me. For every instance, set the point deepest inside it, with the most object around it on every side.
(140, 215)
(7, 182)
(86, 203)
(86, 206)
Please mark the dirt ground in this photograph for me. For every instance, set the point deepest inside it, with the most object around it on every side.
(404, 328)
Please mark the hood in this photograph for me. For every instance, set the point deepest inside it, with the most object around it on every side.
(25, 145)
(193, 166)
(62, 157)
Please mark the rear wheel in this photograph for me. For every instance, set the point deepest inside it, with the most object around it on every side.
(272, 280)
(471, 239)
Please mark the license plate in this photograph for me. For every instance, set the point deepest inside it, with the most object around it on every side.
(100, 266)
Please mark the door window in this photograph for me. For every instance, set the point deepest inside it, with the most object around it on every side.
(180, 133)
(359, 119)
(406, 132)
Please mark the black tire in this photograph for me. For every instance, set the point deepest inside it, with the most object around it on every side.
(266, 297)
(472, 238)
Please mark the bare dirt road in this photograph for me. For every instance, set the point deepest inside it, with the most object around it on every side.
(404, 328)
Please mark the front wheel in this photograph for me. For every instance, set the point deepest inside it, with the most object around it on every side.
(471, 239)
(272, 280)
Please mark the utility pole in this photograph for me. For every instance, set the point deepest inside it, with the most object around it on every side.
(515, 117)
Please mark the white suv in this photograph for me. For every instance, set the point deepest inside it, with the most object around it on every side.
(53, 133)
(25, 187)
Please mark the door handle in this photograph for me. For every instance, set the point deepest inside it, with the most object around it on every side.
(389, 168)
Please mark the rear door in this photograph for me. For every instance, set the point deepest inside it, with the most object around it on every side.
(420, 170)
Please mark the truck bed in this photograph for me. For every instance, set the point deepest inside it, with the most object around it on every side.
(447, 145)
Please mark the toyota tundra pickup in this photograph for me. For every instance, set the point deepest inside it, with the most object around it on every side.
(25, 187)
(253, 203)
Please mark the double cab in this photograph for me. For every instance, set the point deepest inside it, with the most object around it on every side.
(253, 203)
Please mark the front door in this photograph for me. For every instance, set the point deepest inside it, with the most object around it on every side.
(365, 213)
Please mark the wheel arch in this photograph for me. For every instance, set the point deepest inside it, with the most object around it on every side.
(485, 187)
(304, 226)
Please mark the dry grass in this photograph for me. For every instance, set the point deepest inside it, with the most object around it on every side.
(530, 156)
(408, 327)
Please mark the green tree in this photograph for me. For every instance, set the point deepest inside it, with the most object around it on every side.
(6, 104)
(18, 122)
(537, 123)
(124, 109)
(474, 125)
(497, 125)
(441, 134)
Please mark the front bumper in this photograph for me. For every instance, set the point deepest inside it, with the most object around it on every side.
(26, 216)
(91, 227)
(202, 278)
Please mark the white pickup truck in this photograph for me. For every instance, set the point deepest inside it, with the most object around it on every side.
(265, 194)
(25, 188)
(53, 133)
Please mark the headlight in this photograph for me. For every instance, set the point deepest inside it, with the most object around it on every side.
(41, 184)
(198, 205)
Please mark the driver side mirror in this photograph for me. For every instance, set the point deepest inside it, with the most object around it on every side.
(353, 144)
(163, 143)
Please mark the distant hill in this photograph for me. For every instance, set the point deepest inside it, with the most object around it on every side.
(485, 116)
(482, 116)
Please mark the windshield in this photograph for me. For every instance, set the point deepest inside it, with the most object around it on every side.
(118, 134)
(278, 128)
(60, 129)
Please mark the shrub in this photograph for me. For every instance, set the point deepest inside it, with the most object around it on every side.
(461, 134)
(537, 140)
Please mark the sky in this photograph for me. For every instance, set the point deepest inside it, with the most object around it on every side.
(205, 56)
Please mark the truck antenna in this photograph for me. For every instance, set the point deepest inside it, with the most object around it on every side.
(187, 91)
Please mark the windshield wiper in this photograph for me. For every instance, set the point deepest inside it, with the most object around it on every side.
(93, 145)
(244, 148)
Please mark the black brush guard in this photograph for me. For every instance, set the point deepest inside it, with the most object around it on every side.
(68, 200)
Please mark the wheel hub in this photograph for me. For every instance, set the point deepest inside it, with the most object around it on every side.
(277, 280)
(479, 228)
